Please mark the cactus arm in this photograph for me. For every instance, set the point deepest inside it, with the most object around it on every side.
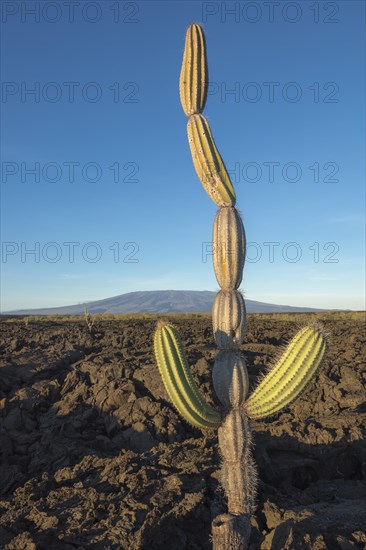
(193, 76)
(178, 381)
(289, 376)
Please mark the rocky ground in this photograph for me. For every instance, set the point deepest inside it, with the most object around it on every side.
(93, 455)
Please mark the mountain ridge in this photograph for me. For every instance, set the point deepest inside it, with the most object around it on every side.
(158, 301)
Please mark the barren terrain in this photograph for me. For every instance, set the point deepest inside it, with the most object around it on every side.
(93, 455)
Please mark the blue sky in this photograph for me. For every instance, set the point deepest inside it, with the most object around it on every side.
(97, 178)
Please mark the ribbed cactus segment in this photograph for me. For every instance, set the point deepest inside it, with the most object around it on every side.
(228, 248)
(233, 435)
(229, 319)
(290, 375)
(193, 80)
(238, 473)
(178, 381)
(240, 482)
(208, 163)
(230, 378)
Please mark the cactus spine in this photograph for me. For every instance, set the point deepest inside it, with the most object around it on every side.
(298, 363)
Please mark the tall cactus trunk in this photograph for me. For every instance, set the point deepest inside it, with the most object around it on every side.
(230, 376)
(287, 378)
(230, 381)
(238, 477)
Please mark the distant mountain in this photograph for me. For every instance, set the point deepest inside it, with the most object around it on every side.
(158, 301)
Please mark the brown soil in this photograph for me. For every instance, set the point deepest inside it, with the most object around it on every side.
(93, 455)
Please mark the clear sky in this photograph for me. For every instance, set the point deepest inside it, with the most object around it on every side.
(99, 194)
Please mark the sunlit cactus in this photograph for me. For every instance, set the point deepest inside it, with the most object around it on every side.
(228, 248)
(229, 319)
(208, 163)
(193, 80)
(289, 376)
(178, 381)
(284, 381)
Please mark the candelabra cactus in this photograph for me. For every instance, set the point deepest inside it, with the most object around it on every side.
(283, 382)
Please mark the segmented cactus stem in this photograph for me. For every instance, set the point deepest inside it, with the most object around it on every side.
(178, 381)
(208, 163)
(193, 80)
(230, 378)
(287, 378)
(228, 248)
(238, 472)
(290, 375)
(229, 319)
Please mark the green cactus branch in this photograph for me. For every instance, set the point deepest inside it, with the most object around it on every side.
(178, 381)
(289, 376)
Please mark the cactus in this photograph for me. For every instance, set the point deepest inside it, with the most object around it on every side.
(228, 248)
(177, 378)
(288, 376)
(238, 473)
(208, 162)
(193, 77)
(230, 378)
(228, 319)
